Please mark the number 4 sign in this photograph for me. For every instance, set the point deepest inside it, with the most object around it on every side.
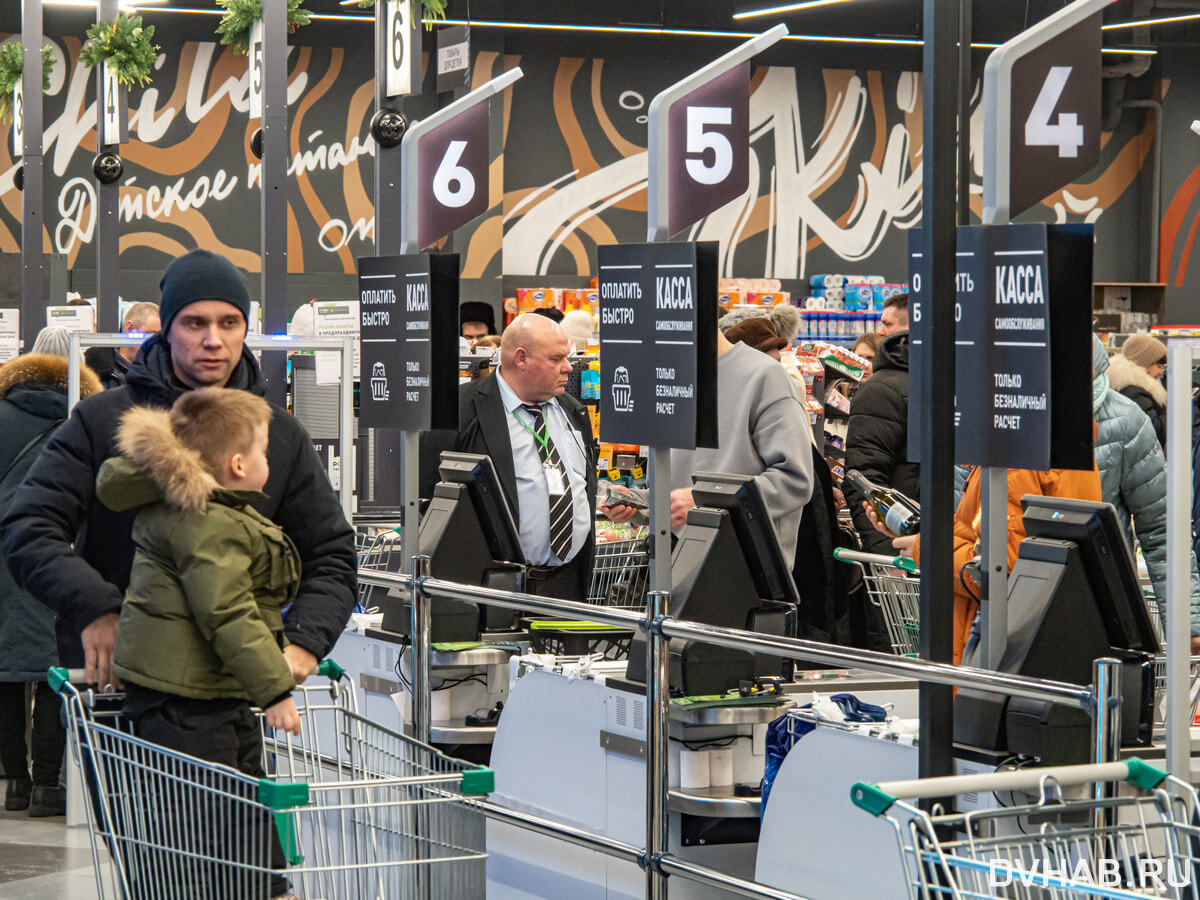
(1041, 96)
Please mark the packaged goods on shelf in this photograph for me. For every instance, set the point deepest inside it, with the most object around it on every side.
(769, 298)
(814, 409)
(824, 281)
(837, 400)
(730, 299)
(529, 299)
(839, 359)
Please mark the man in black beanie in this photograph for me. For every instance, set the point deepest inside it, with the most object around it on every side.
(74, 554)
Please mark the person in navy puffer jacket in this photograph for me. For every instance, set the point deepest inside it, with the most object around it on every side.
(1133, 478)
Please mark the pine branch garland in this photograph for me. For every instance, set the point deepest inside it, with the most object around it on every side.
(12, 64)
(127, 44)
(234, 27)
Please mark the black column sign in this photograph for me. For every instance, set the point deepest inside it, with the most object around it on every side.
(1006, 409)
(918, 334)
(972, 377)
(658, 307)
(409, 322)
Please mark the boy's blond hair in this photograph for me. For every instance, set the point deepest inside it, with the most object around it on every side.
(217, 421)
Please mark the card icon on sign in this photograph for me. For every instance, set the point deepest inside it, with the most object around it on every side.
(379, 382)
(621, 391)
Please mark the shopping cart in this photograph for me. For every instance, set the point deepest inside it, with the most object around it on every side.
(377, 550)
(1160, 665)
(620, 574)
(358, 811)
(893, 585)
(1051, 839)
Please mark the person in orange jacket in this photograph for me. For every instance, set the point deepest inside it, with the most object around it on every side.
(1082, 484)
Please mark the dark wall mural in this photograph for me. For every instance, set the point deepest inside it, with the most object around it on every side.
(835, 158)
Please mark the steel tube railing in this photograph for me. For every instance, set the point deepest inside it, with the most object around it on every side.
(1099, 701)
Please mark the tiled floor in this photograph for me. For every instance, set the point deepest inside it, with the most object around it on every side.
(43, 859)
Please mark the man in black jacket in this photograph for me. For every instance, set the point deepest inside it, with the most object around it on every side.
(540, 442)
(74, 554)
(877, 436)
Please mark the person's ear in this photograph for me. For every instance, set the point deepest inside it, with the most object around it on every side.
(236, 463)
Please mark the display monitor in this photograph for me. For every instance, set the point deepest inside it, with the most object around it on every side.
(727, 570)
(1073, 597)
(470, 537)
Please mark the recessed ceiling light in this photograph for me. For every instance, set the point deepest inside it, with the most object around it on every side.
(784, 8)
(1164, 20)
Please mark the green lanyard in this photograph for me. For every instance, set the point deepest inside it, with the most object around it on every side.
(542, 439)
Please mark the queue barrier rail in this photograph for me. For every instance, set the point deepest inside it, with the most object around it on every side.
(1101, 701)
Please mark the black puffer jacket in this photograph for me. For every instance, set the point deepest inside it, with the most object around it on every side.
(74, 554)
(877, 436)
(33, 402)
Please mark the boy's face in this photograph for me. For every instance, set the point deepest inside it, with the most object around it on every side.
(254, 461)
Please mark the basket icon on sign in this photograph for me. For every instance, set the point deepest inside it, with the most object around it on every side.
(379, 385)
(621, 391)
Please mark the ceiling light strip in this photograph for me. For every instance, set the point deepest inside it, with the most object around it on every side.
(1165, 20)
(785, 8)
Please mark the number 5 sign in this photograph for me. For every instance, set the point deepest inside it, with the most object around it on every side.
(445, 159)
(1041, 96)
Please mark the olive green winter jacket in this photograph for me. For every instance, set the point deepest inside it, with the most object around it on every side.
(211, 576)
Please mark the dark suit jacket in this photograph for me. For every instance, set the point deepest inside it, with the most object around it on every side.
(483, 428)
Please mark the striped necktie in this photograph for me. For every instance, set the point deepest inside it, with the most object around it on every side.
(562, 519)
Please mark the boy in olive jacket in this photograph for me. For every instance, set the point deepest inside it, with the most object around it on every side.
(201, 633)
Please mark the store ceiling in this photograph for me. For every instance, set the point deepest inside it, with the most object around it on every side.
(993, 20)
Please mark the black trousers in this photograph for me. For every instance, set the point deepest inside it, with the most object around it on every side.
(220, 731)
(48, 739)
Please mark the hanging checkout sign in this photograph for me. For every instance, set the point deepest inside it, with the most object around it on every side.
(18, 120)
(452, 174)
(402, 52)
(254, 74)
(658, 307)
(114, 122)
(408, 306)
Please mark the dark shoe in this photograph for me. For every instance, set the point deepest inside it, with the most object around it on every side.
(48, 800)
(17, 796)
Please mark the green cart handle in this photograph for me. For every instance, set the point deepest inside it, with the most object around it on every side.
(327, 668)
(878, 798)
(904, 563)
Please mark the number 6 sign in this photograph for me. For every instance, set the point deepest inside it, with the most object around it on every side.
(446, 158)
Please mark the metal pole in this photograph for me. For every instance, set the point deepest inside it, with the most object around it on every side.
(387, 159)
(108, 224)
(657, 724)
(274, 189)
(410, 470)
(1106, 730)
(994, 517)
(419, 633)
(33, 264)
(1180, 354)
(935, 703)
(660, 519)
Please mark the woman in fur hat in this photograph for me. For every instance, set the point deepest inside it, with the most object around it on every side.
(1135, 372)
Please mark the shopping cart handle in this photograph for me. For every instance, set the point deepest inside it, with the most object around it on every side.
(58, 677)
(878, 798)
(905, 563)
(331, 670)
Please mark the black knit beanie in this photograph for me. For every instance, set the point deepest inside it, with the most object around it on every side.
(201, 275)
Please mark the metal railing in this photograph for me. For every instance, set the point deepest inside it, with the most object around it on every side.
(1101, 701)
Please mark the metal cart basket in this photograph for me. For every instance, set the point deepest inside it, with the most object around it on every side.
(620, 573)
(1055, 837)
(379, 551)
(358, 811)
(893, 584)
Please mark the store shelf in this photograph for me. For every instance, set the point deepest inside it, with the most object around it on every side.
(714, 802)
(730, 715)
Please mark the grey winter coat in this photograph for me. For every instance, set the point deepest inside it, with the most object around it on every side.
(1133, 476)
(33, 401)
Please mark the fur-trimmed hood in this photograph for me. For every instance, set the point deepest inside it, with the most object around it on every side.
(47, 369)
(1124, 372)
(154, 465)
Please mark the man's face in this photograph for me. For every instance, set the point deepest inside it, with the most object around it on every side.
(206, 342)
(152, 325)
(893, 320)
(473, 331)
(545, 366)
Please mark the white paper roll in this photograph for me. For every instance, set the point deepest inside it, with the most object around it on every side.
(439, 706)
(693, 769)
(720, 767)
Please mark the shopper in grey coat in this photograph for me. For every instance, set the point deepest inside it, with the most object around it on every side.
(1133, 477)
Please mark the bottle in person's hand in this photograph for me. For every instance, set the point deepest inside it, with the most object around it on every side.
(901, 515)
